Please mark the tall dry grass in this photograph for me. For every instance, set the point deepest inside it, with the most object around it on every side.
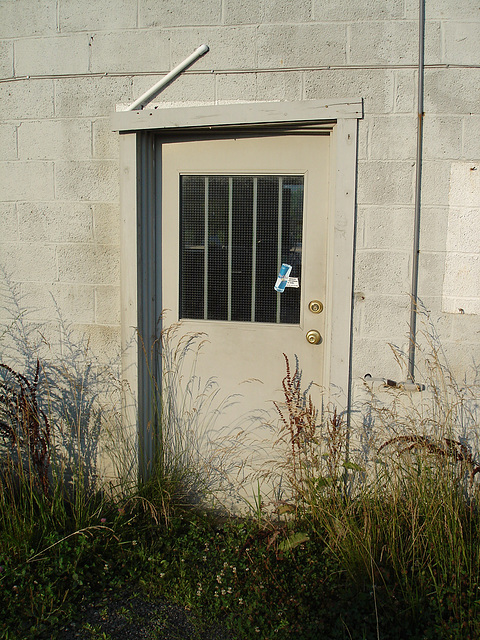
(396, 499)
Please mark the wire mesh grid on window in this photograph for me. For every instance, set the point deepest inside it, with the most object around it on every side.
(235, 232)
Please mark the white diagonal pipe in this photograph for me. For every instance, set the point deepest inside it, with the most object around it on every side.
(155, 90)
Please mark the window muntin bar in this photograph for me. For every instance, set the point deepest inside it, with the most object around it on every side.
(229, 255)
(279, 242)
(205, 261)
(254, 248)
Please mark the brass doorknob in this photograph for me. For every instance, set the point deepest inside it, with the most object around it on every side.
(313, 336)
(315, 306)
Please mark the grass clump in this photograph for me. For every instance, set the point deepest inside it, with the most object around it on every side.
(400, 515)
(377, 535)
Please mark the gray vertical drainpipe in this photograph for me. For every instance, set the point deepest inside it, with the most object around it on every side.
(418, 186)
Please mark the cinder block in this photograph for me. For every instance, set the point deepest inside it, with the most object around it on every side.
(78, 97)
(375, 86)
(130, 51)
(26, 18)
(461, 42)
(462, 362)
(363, 138)
(189, 87)
(105, 141)
(29, 98)
(88, 264)
(464, 185)
(461, 290)
(375, 356)
(465, 327)
(433, 228)
(55, 221)
(431, 272)
(446, 9)
(388, 228)
(301, 45)
(171, 13)
(54, 139)
(29, 262)
(325, 10)
(97, 180)
(104, 342)
(26, 181)
(442, 137)
(431, 325)
(246, 12)
(385, 316)
(452, 91)
(393, 137)
(6, 59)
(107, 305)
(387, 183)
(66, 301)
(471, 137)
(241, 86)
(360, 227)
(462, 274)
(382, 271)
(106, 223)
(8, 223)
(297, 11)
(8, 141)
(222, 42)
(392, 42)
(279, 86)
(91, 14)
(52, 56)
(405, 98)
(435, 182)
(286, 11)
(26, 339)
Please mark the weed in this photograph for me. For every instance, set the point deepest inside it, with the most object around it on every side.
(378, 541)
(23, 424)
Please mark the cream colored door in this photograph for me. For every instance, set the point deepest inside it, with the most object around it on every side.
(232, 212)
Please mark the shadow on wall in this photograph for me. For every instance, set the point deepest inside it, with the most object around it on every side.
(54, 393)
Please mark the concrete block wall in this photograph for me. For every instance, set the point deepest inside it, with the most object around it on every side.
(66, 64)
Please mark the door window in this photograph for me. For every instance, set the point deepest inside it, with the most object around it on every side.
(235, 232)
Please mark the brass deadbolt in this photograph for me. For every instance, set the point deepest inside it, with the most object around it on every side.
(313, 336)
(315, 306)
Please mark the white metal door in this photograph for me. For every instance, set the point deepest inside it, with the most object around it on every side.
(232, 212)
